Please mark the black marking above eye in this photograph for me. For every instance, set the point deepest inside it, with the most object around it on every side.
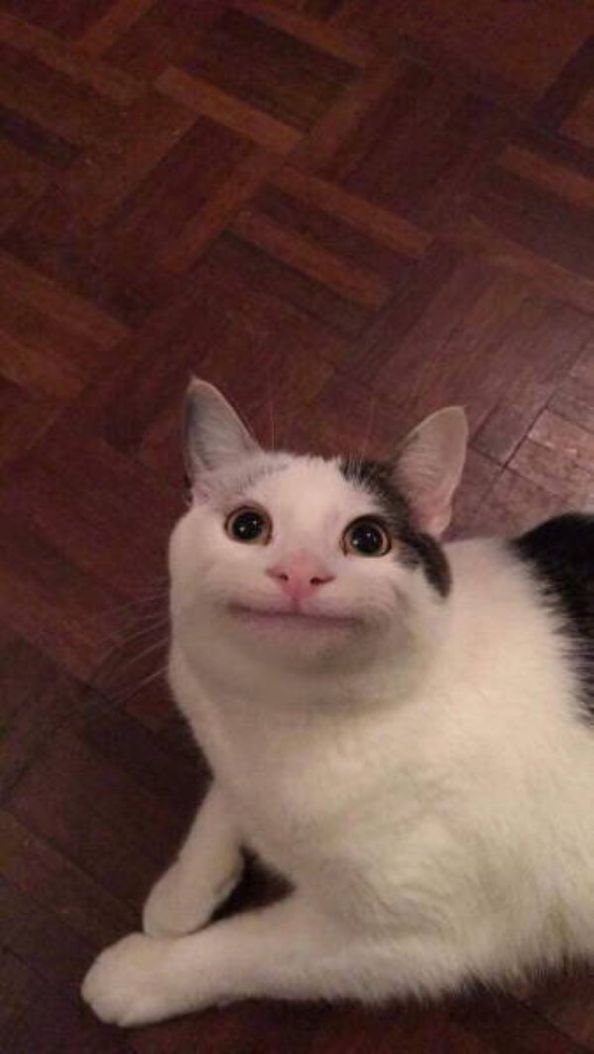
(415, 548)
(366, 536)
(249, 525)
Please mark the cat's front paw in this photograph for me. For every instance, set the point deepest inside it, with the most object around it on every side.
(128, 983)
(176, 906)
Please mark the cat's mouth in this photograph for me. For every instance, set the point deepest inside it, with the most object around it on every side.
(289, 618)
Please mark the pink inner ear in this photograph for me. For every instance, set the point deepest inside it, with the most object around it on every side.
(198, 491)
(434, 520)
(432, 506)
(430, 466)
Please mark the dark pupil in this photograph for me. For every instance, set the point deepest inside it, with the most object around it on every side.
(366, 538)
(247, 526)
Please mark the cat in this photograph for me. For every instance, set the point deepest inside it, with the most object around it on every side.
(398, 726)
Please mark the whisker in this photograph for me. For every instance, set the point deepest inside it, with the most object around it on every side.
(101, 703)
(271, 411)
(139, 618)
(110, 613)
(149, 648)
(110, 675)
(287, 432)
(143, 620)
(132, 621)
(118, 634)
(120, 641)
(141, 684)
(369, 426)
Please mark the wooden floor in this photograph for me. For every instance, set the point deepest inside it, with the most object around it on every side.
(347, 214)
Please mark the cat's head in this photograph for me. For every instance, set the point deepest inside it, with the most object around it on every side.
(298, 557)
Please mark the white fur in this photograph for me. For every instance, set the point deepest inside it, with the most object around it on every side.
(423, 780)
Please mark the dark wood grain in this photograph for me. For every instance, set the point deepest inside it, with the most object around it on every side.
(346, 213)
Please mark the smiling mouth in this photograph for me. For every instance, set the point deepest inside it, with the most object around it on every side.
(291, 619)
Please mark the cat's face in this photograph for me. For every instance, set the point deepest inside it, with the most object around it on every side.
(296, 556)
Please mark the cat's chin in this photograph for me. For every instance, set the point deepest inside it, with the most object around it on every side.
(280, 621)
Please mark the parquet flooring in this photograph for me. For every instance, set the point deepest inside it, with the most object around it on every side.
(346, 213)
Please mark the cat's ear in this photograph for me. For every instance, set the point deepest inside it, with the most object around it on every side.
(429, 465)
(214, 434)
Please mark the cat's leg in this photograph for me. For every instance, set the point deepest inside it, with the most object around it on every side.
(207, 868)
(284, 951)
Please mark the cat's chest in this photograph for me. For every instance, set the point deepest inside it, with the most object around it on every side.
(280, 794)
(302, 801)
(290, 788)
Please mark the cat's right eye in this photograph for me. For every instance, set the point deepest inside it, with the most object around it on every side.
(366, 536)
(249, 525)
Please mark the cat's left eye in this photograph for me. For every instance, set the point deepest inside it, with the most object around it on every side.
(249, 525)
(366, 537)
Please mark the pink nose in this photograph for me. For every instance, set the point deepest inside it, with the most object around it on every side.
(300, 576)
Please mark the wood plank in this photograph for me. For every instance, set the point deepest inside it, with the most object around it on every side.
(380, 224)
(50, 50)
(120, 16)
(316, 34)
(219, 210)
(352, 283)
(64, 306)
(204, 98)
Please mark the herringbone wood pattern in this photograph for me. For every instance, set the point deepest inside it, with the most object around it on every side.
(347, 213)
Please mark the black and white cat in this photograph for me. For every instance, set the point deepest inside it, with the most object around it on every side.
(400, 728)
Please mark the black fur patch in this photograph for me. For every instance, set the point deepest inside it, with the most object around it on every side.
(419, 548)
(561, 554)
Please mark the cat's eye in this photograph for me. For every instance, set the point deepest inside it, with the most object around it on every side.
(249, 525)
(366, 537)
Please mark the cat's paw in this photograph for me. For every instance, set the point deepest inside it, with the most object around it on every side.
(175, 908)
(128, 983)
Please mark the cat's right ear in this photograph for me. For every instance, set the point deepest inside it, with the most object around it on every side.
(429, 466)
(214, 434)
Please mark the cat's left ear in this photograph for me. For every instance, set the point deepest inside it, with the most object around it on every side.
(429, 466)
(214, 434)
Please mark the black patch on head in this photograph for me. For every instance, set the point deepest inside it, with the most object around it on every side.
(560, 552)
(419, 549)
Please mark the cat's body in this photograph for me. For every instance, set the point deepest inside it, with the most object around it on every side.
(406, 740)
(463, 798)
